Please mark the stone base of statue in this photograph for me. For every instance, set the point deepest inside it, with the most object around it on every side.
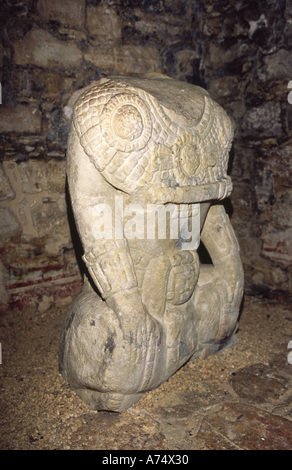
(147, 162)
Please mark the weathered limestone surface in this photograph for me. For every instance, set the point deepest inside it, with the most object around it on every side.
(69, 12)
(20, 119)
(124, 58)
(42, 49)
(103, 24)
(139, 146)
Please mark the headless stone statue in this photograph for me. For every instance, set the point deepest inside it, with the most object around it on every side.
(147, 169)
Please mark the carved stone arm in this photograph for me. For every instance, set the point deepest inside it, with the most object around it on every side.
(190, 194)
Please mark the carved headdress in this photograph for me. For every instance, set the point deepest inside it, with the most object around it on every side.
(153, 133)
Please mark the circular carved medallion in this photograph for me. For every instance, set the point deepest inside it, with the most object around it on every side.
(190, 155)
(127, 123)
(189, 159)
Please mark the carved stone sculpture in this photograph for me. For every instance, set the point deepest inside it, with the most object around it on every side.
(147, 169)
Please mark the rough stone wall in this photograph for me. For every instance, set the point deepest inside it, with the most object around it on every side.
(240, 51)
(246, 65)
(49, 50)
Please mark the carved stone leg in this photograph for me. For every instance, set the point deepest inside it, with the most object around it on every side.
(108, 364)
(219, 291)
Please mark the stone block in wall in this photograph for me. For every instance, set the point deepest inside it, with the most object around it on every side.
(6, 191)
(183, 63)
(241, 202)
(225, 88)
(44, 50)
(31, 174)
(265, 190)
(9, 224)
(49, 217)
(232, 58)
(273, 178)
(56, 176)
(277, 245)
(69, 12)
(277, 66)
(274, 201)
(56, 127)
(28, 82)
(162, 27)
(103, 24)
(38, 176)
(125, 59)
(278, 160)
(39, 188)
(263, 121)
(20, 119)
(282, 209)
(29, 272)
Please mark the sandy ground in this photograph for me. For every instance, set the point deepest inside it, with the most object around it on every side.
(39, 411)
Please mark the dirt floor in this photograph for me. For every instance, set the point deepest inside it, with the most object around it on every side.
(238, 399)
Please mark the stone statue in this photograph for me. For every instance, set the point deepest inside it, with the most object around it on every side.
(147, 169)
